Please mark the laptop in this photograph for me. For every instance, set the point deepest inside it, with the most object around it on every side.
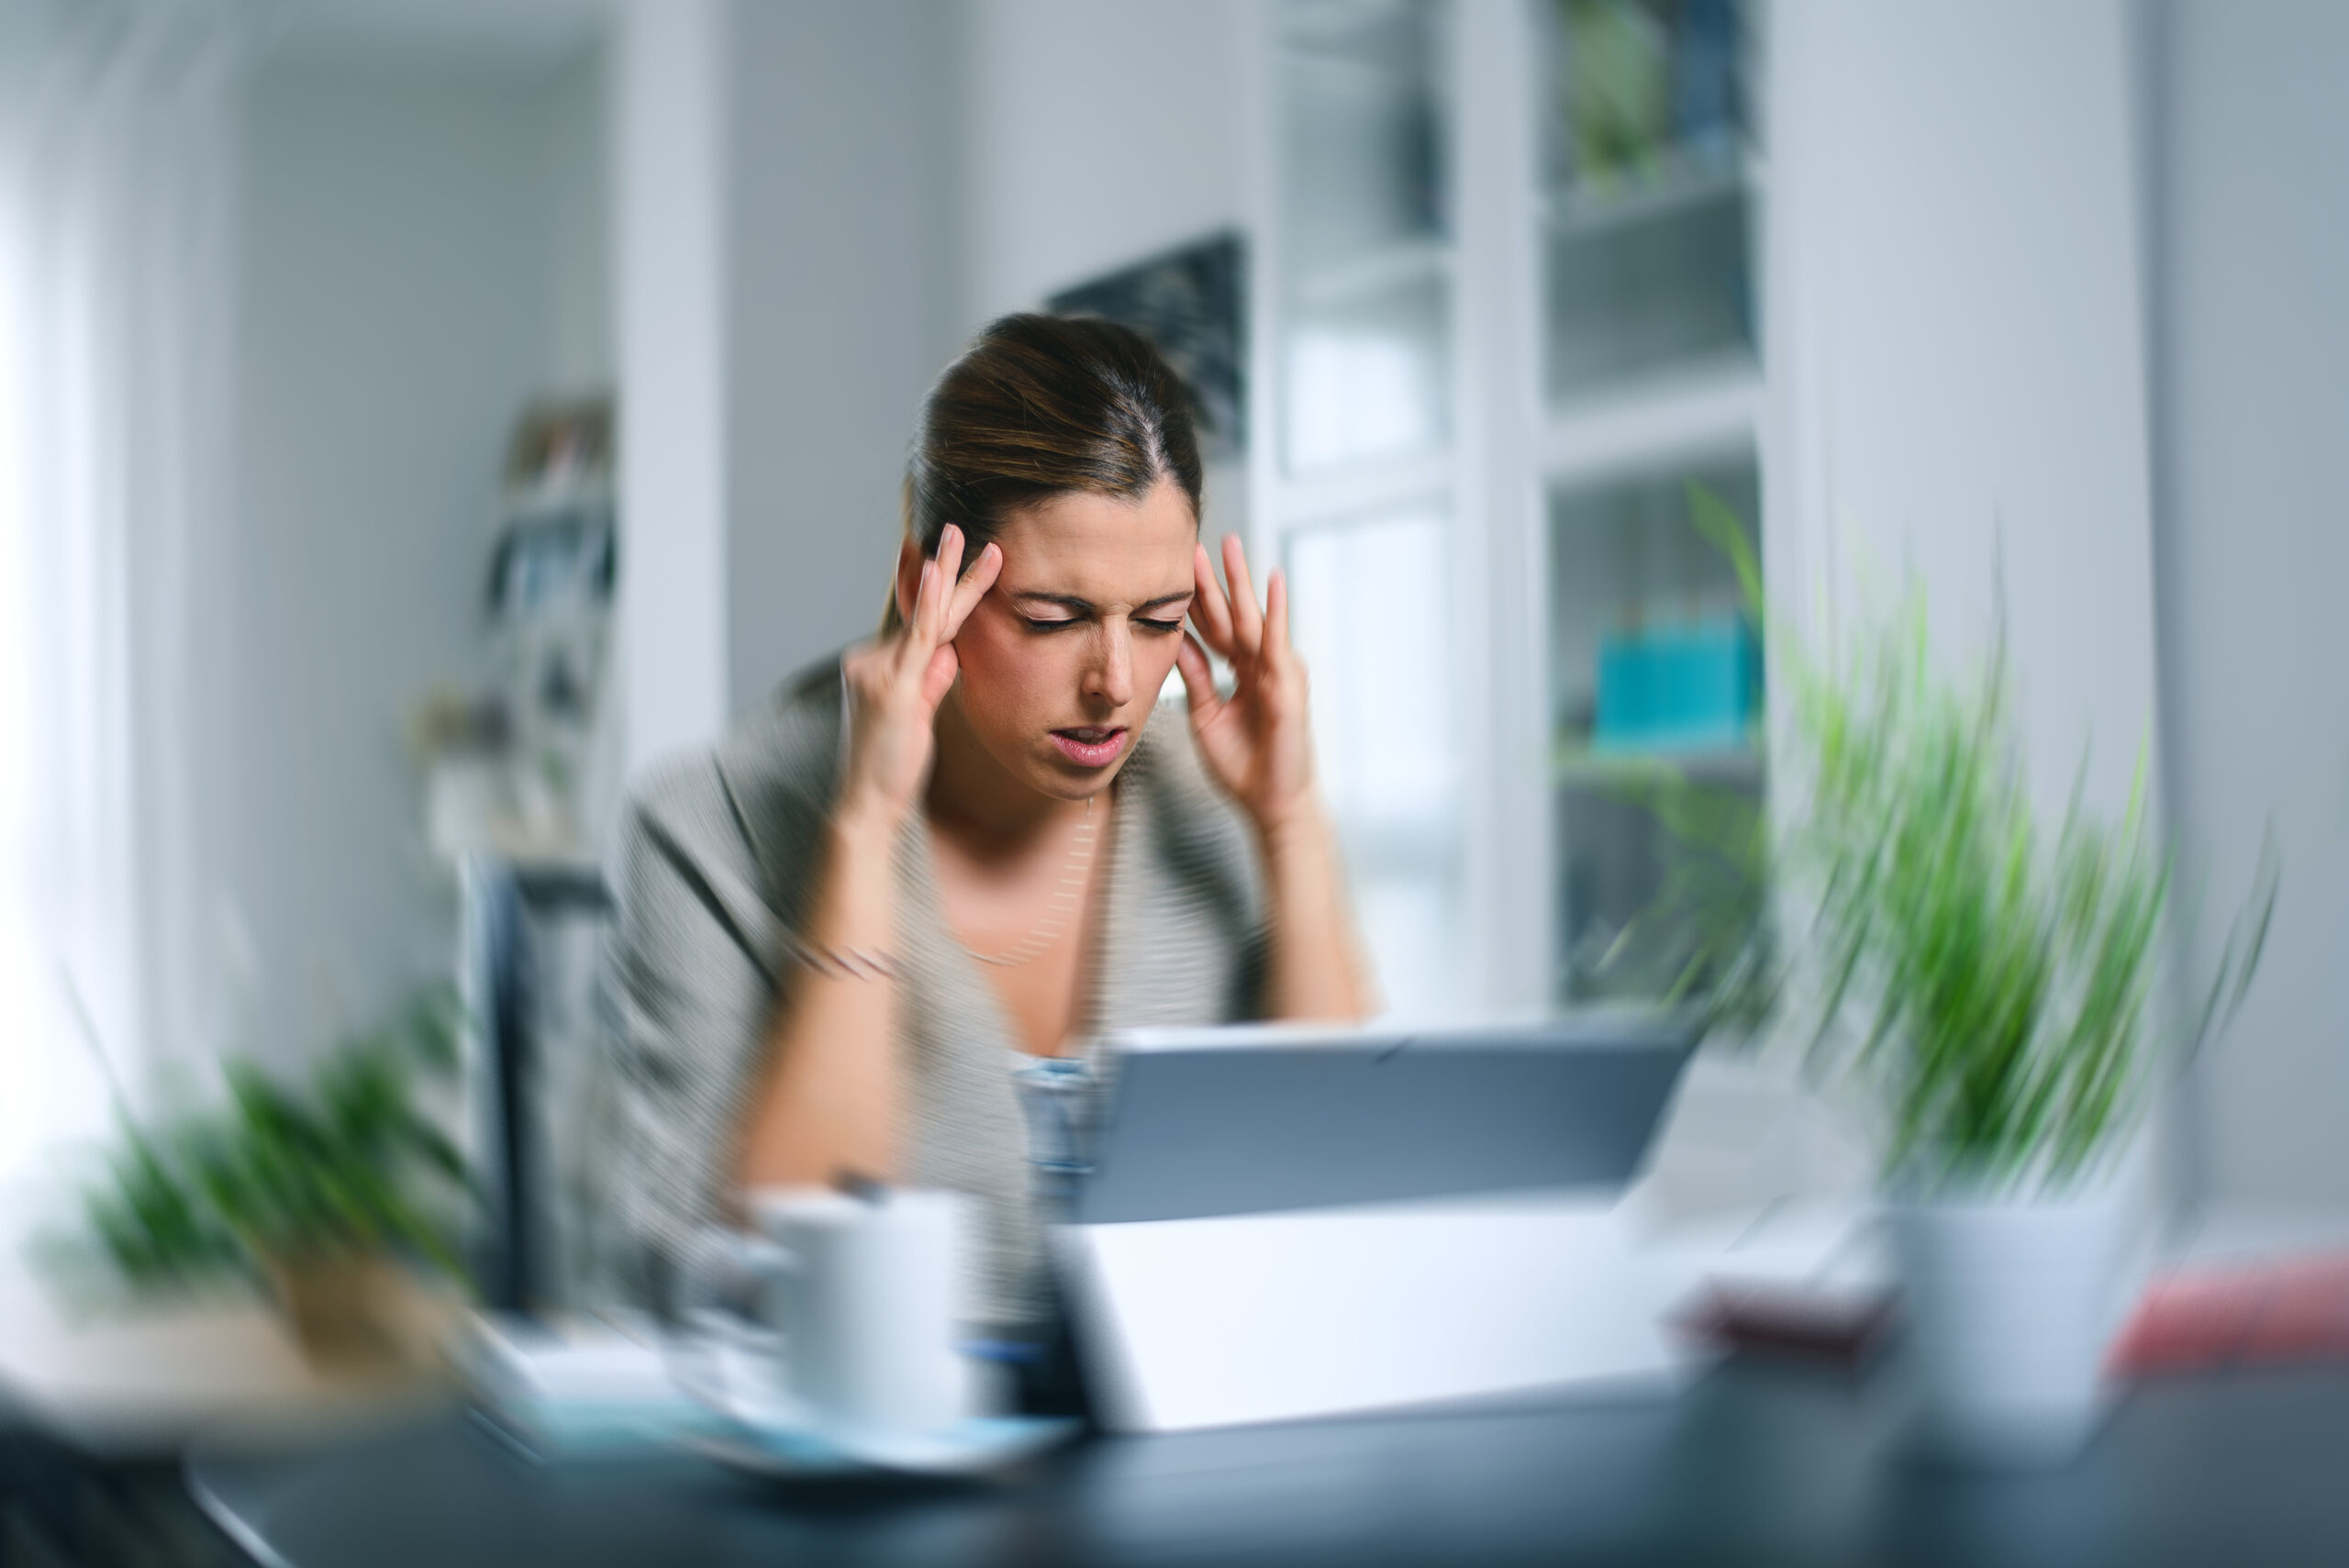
(1284, 1222)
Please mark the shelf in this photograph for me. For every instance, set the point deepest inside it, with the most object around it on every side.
(1577, 763)
(557, 499)
(1529, 367)
(1647, 278)
(1407, 264)
(1695, 411)
(1576, 213)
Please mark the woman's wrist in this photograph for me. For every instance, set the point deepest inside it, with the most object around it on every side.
(1301, 824)
(862, 823)
(851, 928)
(1317, 970)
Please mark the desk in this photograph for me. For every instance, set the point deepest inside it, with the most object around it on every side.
(93, 1417)
(1751, 1465)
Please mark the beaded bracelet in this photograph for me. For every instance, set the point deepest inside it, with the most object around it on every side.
(839, 963)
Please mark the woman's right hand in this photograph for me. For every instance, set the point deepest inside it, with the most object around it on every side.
(895, 683)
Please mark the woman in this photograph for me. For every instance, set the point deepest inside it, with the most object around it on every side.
(966, 844)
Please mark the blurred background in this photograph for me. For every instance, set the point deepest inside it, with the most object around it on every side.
(417, 415)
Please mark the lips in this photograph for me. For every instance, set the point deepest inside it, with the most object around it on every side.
(1092, 748)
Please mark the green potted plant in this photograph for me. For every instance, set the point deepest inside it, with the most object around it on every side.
(323, 1194)
(2000, 988)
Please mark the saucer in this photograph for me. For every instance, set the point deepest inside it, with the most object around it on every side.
(971, 1447)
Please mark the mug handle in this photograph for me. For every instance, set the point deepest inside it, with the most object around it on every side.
(720, 1263)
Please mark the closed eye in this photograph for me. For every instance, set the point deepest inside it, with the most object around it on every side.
(1165, 616)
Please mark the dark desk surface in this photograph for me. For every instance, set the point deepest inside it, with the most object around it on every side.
(1751, 1465)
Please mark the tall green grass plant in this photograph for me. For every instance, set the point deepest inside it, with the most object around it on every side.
(2000, 985)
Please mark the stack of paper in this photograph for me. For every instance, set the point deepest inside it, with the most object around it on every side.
(589, 1387)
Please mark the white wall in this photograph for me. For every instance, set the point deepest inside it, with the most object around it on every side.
(2253, 245)
(576, 165)
(901, 172)
(840, 273)
(1957, 335)
(1094, 132)
(394, 317)
(1962, 335)
(669, 158)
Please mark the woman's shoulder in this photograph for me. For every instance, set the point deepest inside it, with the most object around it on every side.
(791, 742)
(760, 791)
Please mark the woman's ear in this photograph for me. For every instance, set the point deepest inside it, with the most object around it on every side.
(909, 583)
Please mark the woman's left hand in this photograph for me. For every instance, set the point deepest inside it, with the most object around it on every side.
(1258, 742)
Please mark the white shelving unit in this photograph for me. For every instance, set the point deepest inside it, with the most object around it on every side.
(1485, 370)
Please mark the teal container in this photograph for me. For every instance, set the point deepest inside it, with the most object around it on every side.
(1678, 686)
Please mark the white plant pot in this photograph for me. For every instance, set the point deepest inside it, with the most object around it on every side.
(2011, 1304)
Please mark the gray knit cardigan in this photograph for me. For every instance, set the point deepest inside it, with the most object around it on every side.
(714, 862)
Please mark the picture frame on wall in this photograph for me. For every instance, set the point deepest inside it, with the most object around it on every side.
(1191, 302)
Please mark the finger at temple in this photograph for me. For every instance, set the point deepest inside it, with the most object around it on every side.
(1247, 623)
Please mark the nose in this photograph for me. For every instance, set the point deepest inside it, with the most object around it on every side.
(1109, 675)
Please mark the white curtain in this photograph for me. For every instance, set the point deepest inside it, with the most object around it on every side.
(118, 149)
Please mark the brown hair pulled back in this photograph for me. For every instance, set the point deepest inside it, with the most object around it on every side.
(1039, 405)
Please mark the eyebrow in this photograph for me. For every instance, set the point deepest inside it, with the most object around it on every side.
(1086, 606)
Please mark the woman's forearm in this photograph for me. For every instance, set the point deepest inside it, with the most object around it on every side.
(1315, 963)
(829, 1101)
(830, 1098)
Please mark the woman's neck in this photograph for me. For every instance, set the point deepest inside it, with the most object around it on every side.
(976, 798)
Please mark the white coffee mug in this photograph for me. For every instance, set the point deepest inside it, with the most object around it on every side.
(860, 1292)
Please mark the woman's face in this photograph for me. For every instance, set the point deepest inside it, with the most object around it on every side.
(1062, 659)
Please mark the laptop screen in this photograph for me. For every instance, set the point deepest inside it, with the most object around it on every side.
(1213, 1122)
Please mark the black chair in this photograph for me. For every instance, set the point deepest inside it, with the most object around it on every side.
(509, 910)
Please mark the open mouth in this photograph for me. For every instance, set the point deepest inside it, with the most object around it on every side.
(1091, 748)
